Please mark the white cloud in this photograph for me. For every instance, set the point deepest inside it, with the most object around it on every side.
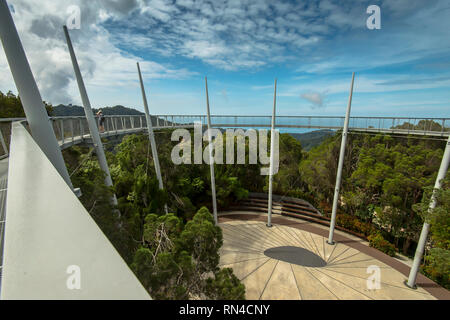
(230, 35)
(102, 63)
(322, 41)
(205, 49)
(316, 98)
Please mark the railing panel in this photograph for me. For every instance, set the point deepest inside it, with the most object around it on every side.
(5, 132)
(72, 129)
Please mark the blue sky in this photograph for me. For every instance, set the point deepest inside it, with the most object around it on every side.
(311, 47)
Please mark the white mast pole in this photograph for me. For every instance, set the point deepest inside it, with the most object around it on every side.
(211, 158)
(30, 97)
(272, 149)
(426, 227)
(341, 164)
(98, 145)
(151, 134)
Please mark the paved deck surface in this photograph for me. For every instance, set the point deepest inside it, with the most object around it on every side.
(262, 258)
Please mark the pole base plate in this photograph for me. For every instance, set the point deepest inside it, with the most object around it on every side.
(331, 243)
(414, 287)
(77, 192)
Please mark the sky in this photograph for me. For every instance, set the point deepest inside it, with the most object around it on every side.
(311, 47)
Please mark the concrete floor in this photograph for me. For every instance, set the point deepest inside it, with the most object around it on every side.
(344, 276)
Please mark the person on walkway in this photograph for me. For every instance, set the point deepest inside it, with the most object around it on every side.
(101, 121)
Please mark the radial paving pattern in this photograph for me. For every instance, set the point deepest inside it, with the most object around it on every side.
(259, 260)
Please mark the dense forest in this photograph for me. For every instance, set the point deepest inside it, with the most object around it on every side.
(11, 107)
(175, 255)
(313, 138)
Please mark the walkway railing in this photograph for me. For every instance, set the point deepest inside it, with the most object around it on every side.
(403, 125)
(74, 130)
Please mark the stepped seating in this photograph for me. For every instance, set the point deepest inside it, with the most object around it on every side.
(258, 201)
(286, 206)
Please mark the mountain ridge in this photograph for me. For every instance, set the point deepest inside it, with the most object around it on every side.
(311, 139)
(62, 110)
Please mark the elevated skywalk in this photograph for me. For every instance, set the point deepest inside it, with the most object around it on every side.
(74, 130)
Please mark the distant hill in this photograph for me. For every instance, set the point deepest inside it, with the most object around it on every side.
(70, 110)
(311, 139)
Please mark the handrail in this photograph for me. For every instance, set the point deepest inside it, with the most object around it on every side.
(240, 116)
(298, 116)
(71, 130)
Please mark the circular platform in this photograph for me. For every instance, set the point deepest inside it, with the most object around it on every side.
(288, 263)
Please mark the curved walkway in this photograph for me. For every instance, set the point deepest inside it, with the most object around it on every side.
(292, 260)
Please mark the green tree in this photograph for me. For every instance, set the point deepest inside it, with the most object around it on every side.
(288, 180)
(225, 286)
(11, 106)
(202, 239)
(438, 218)
(437, 266)
(177, 261)
(395, 175)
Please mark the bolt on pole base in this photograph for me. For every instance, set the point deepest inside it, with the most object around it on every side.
(414, 287)
(77, 192)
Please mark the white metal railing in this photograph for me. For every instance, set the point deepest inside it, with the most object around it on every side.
(71, 130)
(3, 190)
(404, 125)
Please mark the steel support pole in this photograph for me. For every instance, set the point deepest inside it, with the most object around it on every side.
(426, 227)
(61, 129)
(71, 129)
(38, 120)
(272, 149)
(2, 140)
(341, 164)
(81, 129)
(98, 145)
(211, 158)
(151, 134)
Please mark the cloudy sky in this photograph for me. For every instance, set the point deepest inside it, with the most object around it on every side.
(311, 47)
